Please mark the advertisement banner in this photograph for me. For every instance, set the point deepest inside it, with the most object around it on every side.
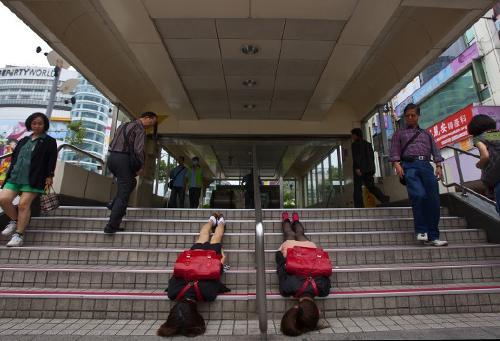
(453, 128)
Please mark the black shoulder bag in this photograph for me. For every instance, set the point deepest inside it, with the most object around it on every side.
(403, 180)
(172, 180)
(135, 163)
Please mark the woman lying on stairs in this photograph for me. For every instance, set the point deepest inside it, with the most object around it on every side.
(303, 272)
(196, 278)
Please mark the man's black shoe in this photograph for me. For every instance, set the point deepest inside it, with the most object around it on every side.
(110, 230)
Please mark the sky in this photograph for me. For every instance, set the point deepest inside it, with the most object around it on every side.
(18, 42)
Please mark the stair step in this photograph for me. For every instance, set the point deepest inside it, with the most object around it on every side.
(232, 240)
(144, 212)
(136, 277)
(176, 225)
(241, 257)
(152, 304)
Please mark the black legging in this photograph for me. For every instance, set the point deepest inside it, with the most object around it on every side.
(293, 231)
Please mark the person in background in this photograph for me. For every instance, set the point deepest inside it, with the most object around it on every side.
(487, 141)
(30, 173)
(194, 179)
(120, 163)
(184, 318)
(363, 164)
(5, 163)
(177, 176)
(411, 151)
(247, 183)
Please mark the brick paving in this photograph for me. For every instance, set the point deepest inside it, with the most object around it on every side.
(332, 326)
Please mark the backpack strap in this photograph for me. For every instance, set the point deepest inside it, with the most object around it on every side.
(197, 291)
(307, 281)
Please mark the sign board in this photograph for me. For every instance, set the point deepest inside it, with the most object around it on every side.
(453, 128)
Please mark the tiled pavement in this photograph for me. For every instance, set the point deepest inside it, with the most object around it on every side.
(414, 325)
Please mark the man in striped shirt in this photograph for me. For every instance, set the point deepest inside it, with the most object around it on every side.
(411, 151)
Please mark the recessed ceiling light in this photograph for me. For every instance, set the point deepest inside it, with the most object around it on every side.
(249, 82)
(249, 106)
(249, 49)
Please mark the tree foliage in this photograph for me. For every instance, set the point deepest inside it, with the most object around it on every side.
(76, 133)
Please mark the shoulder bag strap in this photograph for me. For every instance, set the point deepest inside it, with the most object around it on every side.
(409, 142)
(181, 293)
(307, 281)
(178, 172)
(199, 296)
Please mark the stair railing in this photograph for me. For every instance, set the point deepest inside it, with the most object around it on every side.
(260, 260)
(69, 146)
(465, 190)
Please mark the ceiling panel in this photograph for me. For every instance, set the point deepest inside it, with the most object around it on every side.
(292, 67)
(195, 82)
(197, 8)
(239, 105)
(288, 106)
(193, 48)
(212, 105)
(303, 29)
(299, 9)
(309, 50)
(268, 49)
(286, 95)
(198, 67)
(208, 94)
(296, 83)
(250, 28)
(250, 115)
(186, 28)
(261, 83)
(262, 95)
(257, 67)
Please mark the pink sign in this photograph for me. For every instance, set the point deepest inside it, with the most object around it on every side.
(453, 128)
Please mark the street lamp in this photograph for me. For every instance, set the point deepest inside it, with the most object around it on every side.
(58, 63)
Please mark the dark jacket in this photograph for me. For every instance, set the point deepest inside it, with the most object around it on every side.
(362, 157)
(43, 160)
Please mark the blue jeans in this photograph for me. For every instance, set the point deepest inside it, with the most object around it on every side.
(497, 196)
(423, 191)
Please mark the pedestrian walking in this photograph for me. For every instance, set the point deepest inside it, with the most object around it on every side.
(177, 184)
(194, 178)
(363, 164)
(126, 161)
(487, 141)
(31, 171)
(411, 151)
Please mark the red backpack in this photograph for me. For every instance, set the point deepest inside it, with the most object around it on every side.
(194, 265)
(308, 262)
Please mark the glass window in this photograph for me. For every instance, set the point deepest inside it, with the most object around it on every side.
(451, 98)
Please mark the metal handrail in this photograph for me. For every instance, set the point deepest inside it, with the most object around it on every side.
(461, 185)
(260, 264)
(81, 151)
(69, 146)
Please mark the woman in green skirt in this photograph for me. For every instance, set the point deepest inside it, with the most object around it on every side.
(31, 171)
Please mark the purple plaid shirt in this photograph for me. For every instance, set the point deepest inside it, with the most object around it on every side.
(423, 145)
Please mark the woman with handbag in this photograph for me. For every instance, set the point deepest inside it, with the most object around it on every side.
(303, 284)
(187, 287)
(31, 171)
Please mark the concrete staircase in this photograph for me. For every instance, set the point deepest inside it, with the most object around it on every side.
(69, 269)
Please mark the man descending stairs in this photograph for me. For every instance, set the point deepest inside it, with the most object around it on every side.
(69, 270)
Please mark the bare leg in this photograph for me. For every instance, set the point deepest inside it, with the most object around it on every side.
(6, 197)
(288, 233)
(218, 234)
(25, 210)
(299, 232)
(204, 236)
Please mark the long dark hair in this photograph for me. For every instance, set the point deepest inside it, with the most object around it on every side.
(301, 318)
(183, 319)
